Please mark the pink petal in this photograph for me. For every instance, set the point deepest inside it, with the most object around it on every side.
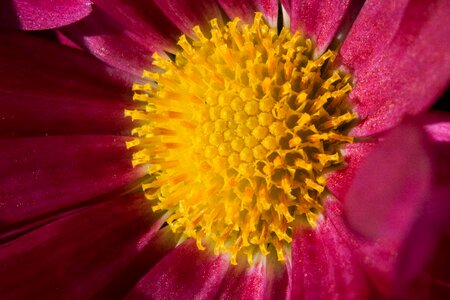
(24, 58)
(339, 181)
(433, 219)
(144, 20)
(124, 33)
(46, 88)
(388, 190)
(278, 279)
(323, 265)
(184, 273)
(79, 256)
(318, 19)
(245, 9)
(400, 194)
(374, 30)
(186, 14)
(437, 125)
(35, 116)
(376, 258)
(243, 283)
(102, 36)
(287, 5)
(398, 51)
(64, 40)
(440, 272)
(42, 14)
(44, 175)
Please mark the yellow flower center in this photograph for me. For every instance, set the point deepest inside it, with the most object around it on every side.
(237, 132)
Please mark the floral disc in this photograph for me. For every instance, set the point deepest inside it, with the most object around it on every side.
(238, 131)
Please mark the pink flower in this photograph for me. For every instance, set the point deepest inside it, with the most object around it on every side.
(74, 224)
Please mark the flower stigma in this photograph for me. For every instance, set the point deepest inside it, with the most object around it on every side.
(238, 132)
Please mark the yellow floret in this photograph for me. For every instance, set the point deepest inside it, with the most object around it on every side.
(238, 131)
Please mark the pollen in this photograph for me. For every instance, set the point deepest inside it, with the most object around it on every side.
(238, 131)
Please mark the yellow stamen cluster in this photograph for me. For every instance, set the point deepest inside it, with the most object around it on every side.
(237, 133)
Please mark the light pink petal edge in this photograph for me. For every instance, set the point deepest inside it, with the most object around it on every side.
(42, 14)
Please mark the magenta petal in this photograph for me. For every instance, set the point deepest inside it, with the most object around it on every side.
(374, 30)
(437, 125)
(78, 256)
(185, 273)
(142, 20)
(323, 265)
(278, 279)
(186, 14)
(64, 40)
(40, 176)
(243, 283)
(433, 219)
(440, 272)
(42, 14)
(287, 5)
(245, 9)
(124, 33)
(104, 38)
(270, 10)
(388, 189)
(46, 88)
(398, 51)
(339, 181)
(38, 63)
(400, 194)
(376, 259)
(319, 19)
(34, 116)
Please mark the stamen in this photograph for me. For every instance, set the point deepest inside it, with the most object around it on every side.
(238, 132)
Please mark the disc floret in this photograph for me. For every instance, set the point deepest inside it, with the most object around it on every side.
(238, 132)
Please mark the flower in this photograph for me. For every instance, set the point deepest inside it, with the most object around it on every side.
(75, 224)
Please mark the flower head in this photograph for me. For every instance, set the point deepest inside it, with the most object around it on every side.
(276, 136)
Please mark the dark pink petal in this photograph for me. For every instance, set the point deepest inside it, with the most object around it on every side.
(278, 279)
(245, 9)
(268, 279)
(398, 52)
(433, 221)
(400, 194)
(386, 191)
(124, 33)
(151, 249)
(42, 14)
(25, 59)
(318, 19)
(340, 180)
(43, 175)
(108, 40)
(65, 40)
(270, 10)
(80, 255)
(185, 273)
(186, 14)
(323, 265)
(142, 20)
(35, 116)
(437, 125)
(374, 30)
(243, 283)
(287, 5)
(376, 258)
(440, 272)
(46, 88)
